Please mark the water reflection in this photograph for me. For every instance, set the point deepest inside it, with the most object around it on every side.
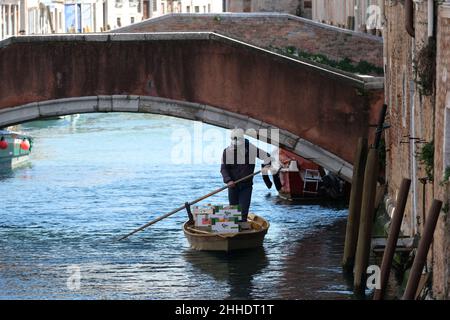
(21, 172)
(6, 174)
(317, 257)
(90, 185)
(324, 203)
(238, 269)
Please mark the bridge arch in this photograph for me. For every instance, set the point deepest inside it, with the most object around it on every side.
(179, 109)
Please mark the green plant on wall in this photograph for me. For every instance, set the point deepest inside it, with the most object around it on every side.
(425, 68)
(445, 179)
(446, 208)
(426, 158)
(345, 64)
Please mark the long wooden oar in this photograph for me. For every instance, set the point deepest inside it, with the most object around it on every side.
(184, 206)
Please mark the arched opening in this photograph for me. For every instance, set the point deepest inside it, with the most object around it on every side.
(180, 109)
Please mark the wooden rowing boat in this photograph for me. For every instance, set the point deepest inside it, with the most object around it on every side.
(245, 239)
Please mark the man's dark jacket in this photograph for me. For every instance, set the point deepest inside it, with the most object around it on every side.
(238, 163)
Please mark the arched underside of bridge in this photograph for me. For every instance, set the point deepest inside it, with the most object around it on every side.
(320, 111)
(179, 109)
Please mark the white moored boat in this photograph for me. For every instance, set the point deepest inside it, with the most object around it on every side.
(15, 149)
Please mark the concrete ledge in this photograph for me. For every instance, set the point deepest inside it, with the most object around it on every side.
(403, 244)
(22, 114)
(324, 158)
(158, 36)
(106, 37)
(179, 109)
(123, 103)
(184, 110)
(104, 104)
(69, 106)
(229, 120)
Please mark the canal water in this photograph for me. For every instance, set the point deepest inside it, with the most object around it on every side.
(95, 177)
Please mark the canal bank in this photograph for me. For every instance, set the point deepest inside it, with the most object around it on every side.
(92, 181)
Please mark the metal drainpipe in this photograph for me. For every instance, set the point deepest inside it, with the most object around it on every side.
(413, 158)
(409, 17)
(430, 18)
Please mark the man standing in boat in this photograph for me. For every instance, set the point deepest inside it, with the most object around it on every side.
(238, 161)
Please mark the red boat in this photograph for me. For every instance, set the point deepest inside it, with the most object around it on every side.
(305, 180)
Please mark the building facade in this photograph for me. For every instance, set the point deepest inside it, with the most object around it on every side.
(81, 16)
(43, 17)
(187, 6)
(49, 16)
(9, 18)
(417, 92)
(357, 15)
(119, 13)
(295, 7)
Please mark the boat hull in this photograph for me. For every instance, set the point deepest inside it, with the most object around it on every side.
(14, 162)
(12, 155)
(208, 241)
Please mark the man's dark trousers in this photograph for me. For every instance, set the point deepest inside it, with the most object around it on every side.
(241, 195)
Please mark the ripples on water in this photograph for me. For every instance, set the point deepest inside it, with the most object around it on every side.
(102, 175)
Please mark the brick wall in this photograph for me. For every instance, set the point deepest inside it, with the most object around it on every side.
(288, 6)
(274, 30)
(416, 119)
(398, 57)
(406, 103)
(441, 252)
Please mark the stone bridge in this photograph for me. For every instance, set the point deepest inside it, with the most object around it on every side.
(200, 76)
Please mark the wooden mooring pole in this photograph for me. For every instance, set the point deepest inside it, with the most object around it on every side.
(422, 251)
(392, 239)
(354, 209)
(366, 221)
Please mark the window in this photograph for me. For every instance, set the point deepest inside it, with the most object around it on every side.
(155, 5)
(163, 9)
(188, 9)
(132, 20)
(204, 9)
(197, 9)
(119, 23)
(209, 7)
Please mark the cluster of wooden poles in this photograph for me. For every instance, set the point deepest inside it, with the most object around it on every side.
(364, 198)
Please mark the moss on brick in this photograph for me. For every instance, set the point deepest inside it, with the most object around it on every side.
(345, 64)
